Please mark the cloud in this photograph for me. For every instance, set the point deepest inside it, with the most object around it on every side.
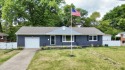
(102, 6)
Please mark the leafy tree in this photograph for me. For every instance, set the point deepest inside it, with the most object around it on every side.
(32, 12)
(87, 22)
(0, 22)
(116, 17)
(105, 27)
(1, 4)
(75, 20)
(29, 13)
(94, 17)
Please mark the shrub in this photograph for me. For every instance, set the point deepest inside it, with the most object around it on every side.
(20, 48)
(79, 47)
(64, 47)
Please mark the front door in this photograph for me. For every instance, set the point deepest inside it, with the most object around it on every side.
(52, 40)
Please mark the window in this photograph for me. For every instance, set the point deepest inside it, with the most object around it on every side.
(67, 38)
(123, 41)
(123, 36)
(92, 38)
(95, 37)
(1, 37)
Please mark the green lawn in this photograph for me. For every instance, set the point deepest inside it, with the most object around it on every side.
(7, 54)
(117, 54)
(85, 59)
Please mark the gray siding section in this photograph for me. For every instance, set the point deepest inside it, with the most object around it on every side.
(83, 41)
(43, 40)
(80, 40)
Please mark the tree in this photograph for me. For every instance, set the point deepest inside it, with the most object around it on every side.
(0, 22)
(94, 17)
(75, 20)
(32, 12)
(116, 17)
(29, 13)
(1, 4)
(105, 27)
(87, 22)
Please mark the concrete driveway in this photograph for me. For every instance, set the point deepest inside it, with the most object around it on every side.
(19, 61)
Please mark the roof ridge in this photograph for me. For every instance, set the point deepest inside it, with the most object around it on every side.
(61, 26)
(33, 26)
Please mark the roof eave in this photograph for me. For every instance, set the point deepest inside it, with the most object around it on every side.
(58, 34)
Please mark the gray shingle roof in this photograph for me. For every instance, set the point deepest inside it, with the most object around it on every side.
(121, 33)
(34, 30)
(3, 34)
(58, 31)
(88, 30)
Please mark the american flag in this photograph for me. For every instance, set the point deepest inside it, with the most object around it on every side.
(75, 12)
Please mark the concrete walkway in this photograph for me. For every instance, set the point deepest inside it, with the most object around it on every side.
(19, 61)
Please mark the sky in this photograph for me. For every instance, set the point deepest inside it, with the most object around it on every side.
(101, 6)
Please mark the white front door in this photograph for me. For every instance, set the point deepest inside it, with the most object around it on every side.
(32, 42)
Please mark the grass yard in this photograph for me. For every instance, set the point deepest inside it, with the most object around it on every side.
(7, 54)
(117, 54)
(100, 58)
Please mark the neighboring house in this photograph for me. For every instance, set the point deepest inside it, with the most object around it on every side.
(122, 38)
(34, 37)
(3, 37)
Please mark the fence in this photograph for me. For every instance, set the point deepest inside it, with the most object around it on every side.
(112, 43)
(9, 45)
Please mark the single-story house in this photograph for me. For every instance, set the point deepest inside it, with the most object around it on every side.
(3, 37)
(35, 37)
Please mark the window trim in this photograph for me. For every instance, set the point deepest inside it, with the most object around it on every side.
(54, 40)
(93, 38)
(123, 36)
(73, 37)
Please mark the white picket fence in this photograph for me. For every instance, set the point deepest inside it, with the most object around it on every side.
(9, 45)
(112, 43)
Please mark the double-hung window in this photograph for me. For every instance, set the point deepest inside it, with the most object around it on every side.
(93, 38)
(67, 38)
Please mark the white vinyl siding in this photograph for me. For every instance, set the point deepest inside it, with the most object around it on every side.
(123, 35)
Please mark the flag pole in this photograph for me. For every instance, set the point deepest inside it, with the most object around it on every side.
(71, 30)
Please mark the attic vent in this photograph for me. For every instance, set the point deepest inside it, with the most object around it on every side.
(63, 28)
